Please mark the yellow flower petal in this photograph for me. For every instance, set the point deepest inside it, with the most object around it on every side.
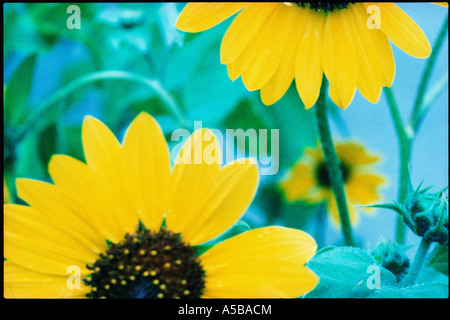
(226, 197)
(32, 243)
(339, 58)
(243, 28)
(362, 188)
(354, 153)
(309, 61)
(197, 17)
(256, 45)
(376, 45)
(283, 77)
(56, 211)
(104, 155)
(370, 79)
(276, 39)
(334, 212)
(205, 200)
(27, 284)
(403, 31)
(260, 263)
(85, 195)
(148, 169)
(297, 184)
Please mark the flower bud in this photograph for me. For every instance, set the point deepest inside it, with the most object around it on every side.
(391, 257)
(428, 215)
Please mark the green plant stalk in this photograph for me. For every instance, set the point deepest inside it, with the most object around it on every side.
(418, 104)
(405, 138)
(34, 120)
(406, 132)
(419, 258)
(333, 165)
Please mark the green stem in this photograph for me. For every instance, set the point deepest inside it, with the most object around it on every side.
(405, 138)
(34, 120)
(333, 165)
(406, 132)
(418, 104)
(419, 258)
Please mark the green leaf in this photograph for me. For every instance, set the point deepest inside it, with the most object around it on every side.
(239, 227)
(439, 259)
(344, 273)
(426, 290)
(26, 164)
(70, 140)
(48, 140)
(17, 92)
(390, 293)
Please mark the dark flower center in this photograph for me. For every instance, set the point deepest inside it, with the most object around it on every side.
(322, 177)
(147, 264)
(324, 6)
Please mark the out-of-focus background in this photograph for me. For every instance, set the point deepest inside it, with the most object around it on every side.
(43, 59)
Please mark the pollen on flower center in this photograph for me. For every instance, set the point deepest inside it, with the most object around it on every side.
(324, 6)
(147, 264)
(322, 177)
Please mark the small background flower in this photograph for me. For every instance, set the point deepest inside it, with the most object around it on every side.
(308, 179)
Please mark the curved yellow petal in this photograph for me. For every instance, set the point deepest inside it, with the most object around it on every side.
(309, 60)
(243, 28)
(298, 182)
(284, 75)
(104, 155)
(339, 58)
(255, 46)
(54, 210)
(148, 169)
(193, 166)
(315, 153)
(31, 243)
(22, 283)
(363, 188)
(84, 194)
(403, 31)
(205, 200)
(201, 16)
(354, 153)
(370, 79)
(260, 263)
(377, 47)
(225, 198)
(277, 37)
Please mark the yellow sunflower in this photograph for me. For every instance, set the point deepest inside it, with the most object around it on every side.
(271, 44)
(308, 179)
(127, 224)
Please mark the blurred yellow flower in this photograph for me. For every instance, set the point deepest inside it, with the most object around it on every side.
(271, 44)
(126, 224)
(308, 179)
